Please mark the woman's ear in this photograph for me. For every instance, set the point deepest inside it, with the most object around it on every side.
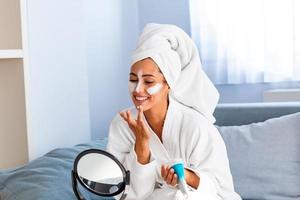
(168, 87)
(166, 83)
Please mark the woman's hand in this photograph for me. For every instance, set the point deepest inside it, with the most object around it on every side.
(168, 174)
(171, 178)
(142, 134)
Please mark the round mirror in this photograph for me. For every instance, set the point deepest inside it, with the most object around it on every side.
(100, 173)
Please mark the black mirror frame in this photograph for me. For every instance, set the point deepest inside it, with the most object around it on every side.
(75, 177)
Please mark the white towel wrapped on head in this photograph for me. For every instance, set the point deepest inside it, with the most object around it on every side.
(177, 57)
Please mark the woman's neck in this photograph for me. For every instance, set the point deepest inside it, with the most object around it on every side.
(156, 117)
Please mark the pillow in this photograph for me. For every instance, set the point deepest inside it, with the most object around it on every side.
(48, 177)
(265, 158)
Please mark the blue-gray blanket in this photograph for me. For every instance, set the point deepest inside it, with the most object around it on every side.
(45, 178)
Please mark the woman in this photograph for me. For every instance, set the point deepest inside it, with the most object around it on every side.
(172, 119)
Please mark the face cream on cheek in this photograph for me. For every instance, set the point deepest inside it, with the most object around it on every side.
(131, 86)
(154, 89)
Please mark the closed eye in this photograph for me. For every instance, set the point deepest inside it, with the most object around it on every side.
(149, 82)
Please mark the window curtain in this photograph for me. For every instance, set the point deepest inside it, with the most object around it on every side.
(247, 41)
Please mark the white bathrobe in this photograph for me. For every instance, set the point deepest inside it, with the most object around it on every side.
(186, 135)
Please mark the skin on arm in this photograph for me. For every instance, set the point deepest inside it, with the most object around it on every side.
(191, 178)
(141, 133)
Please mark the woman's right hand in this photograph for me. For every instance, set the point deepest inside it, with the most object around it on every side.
(141, 132)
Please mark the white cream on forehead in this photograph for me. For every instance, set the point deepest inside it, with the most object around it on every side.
(136, 86)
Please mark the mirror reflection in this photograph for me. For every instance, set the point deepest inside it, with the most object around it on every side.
(100, 173)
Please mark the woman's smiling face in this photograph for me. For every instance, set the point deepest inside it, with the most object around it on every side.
(147, 85)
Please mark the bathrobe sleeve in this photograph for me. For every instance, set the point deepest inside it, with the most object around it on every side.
(121, 144)
(208, 159)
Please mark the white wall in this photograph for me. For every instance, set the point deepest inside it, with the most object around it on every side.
(165, 12)
(57, 103)
(112, 28)
(79, 60)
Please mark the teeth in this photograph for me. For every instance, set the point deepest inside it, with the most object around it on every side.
(140, 98)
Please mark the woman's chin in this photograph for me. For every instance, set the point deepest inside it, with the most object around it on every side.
(145, 105)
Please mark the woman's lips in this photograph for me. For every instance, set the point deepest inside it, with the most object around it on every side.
(141, 98)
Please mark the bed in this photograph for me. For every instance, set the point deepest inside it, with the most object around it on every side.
(45, 178)
(49, 177)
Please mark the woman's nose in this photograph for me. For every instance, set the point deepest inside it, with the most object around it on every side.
(140, 87)
(136, 87)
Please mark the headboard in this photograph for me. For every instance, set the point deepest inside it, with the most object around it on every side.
(246, 113)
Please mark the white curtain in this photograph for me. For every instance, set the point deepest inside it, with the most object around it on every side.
(247, 41)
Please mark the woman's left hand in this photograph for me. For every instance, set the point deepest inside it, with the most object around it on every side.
(169, 175)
